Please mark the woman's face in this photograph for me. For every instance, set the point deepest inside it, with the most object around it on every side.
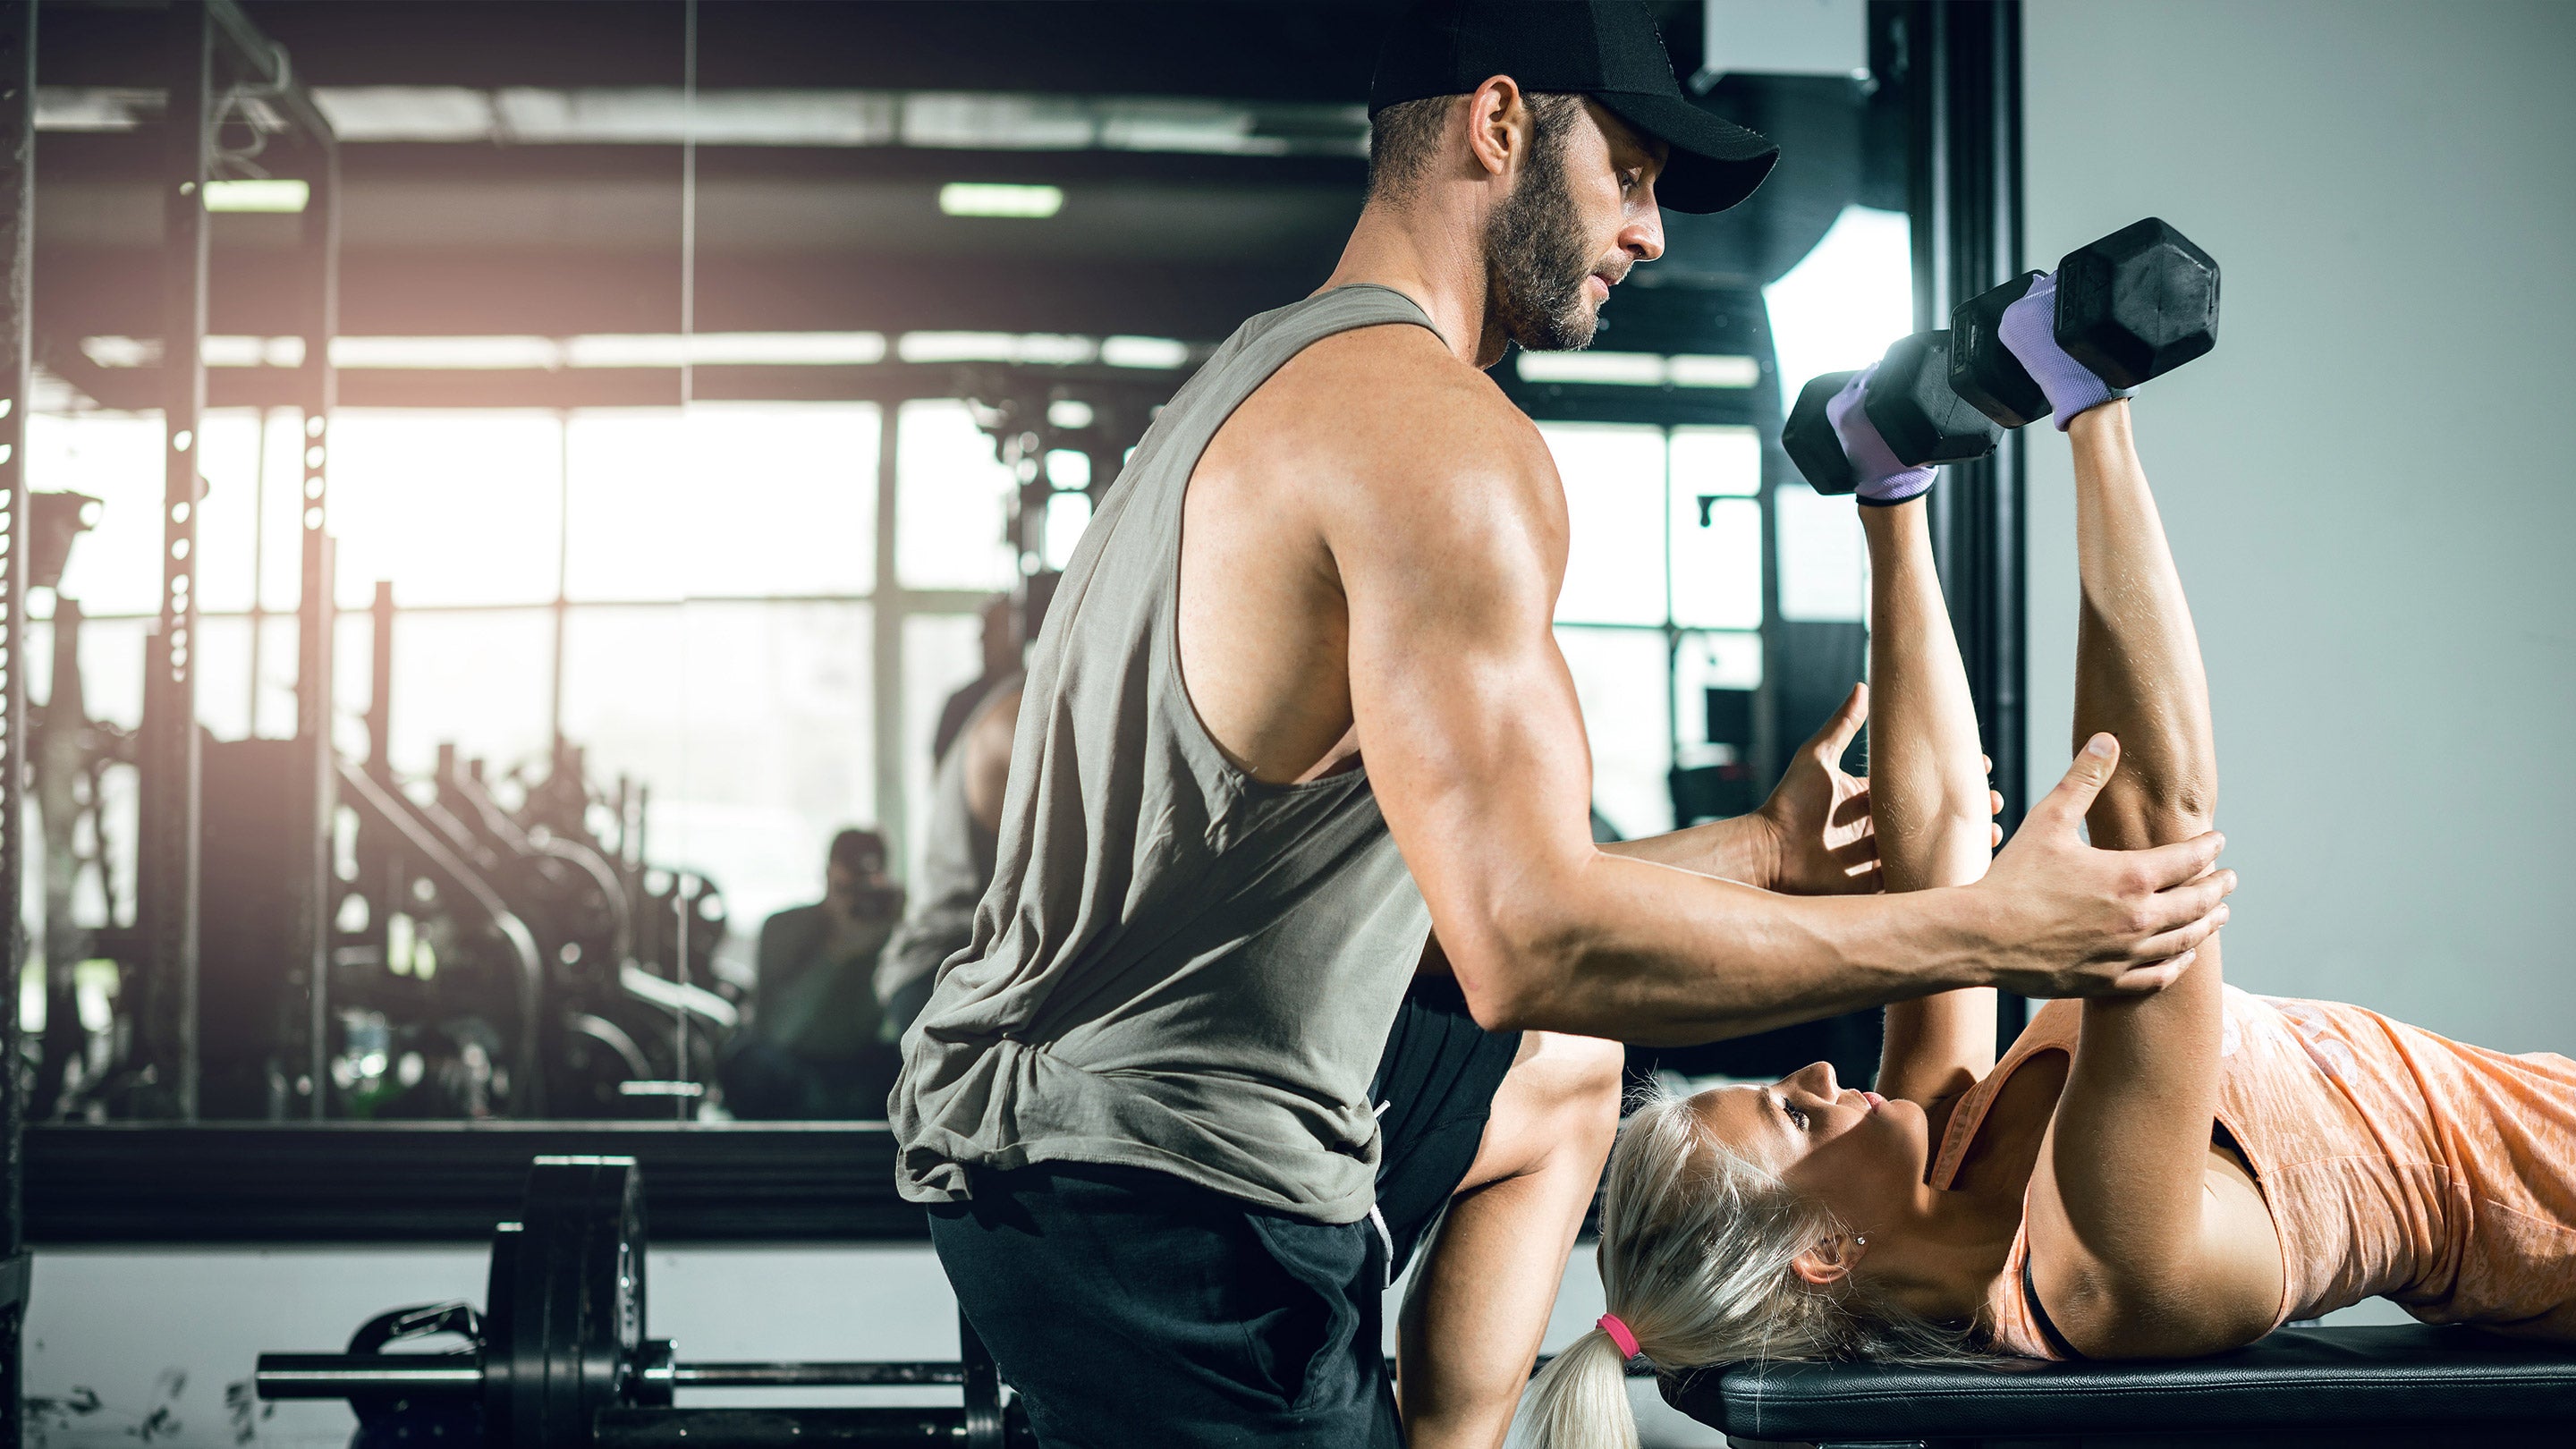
(1860, 1156)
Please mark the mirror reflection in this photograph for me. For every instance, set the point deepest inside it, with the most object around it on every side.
(593, 701)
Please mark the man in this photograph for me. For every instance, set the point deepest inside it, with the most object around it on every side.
(811, 1049)
(1501, 1136)
(956, 854)
(1303, 722)
(1001, 641)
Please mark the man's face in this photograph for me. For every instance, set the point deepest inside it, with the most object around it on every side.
(1582, 213)
(840, 885)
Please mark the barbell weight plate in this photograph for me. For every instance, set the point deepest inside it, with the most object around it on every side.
(500, 1290)
(982, 1396)
(565, 1326)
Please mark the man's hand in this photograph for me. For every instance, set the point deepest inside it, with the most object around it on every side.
(2066, 919)
(1823, 842)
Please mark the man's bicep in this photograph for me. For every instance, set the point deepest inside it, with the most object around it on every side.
(1466, 712)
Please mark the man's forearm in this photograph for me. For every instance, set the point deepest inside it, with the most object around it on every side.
(1744, 849)
(1692, 959)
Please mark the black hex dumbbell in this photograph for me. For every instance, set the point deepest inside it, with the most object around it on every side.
(1909, 400)
(2136, 304)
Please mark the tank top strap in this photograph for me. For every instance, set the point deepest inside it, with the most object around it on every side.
(1261, 348)
(2053, 1029)
(1300, 325)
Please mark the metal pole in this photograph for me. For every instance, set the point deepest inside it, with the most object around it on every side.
(1770, 748)
(380, 686)
(17, 227)
(1964, 193)
(258, 563)
(316, 619)
(169, 754)
(886, 671)
(563, 585)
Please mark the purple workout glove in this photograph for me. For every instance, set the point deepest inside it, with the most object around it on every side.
(2029, 332)
(1883, 480)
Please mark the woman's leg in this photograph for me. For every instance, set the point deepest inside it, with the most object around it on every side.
(2128, 1252)
(1471, 1323)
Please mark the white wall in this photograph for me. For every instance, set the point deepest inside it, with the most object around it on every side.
(2371, 485)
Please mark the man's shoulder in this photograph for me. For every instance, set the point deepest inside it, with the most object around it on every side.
(1392, 401)
(792, 919)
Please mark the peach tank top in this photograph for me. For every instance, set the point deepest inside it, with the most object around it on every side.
(2395, 1163)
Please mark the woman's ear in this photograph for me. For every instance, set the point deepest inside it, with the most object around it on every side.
(1830, 1261)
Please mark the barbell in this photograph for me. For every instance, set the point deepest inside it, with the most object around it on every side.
(558, 1356)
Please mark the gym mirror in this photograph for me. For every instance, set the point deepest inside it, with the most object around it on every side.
(534, 667)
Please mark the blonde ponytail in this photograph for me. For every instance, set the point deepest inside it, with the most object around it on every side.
(1580, 1400)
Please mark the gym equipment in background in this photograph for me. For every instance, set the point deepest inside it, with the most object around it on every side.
(558, 1357)
(496, 950)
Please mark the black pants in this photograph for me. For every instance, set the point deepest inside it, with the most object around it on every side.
(1127, 1307)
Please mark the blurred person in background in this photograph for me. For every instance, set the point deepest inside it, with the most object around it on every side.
(957, 850)
(1001, 661)
(813, 1048)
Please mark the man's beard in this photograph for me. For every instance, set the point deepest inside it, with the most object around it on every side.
(1536, 260)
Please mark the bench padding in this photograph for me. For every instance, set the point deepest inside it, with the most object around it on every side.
(2313, 1378)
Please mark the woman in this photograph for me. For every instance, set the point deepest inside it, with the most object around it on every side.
(2150, 1177)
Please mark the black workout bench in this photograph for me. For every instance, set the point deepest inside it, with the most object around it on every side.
(2409, 1387)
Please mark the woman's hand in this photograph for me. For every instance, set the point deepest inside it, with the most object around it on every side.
(1823, 841)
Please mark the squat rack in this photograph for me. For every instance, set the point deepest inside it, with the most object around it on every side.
(217, 59)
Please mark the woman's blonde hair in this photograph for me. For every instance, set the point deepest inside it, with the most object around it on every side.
(1697, 1244)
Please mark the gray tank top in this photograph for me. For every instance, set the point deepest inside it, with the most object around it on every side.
(956, 865)
(1178, 966)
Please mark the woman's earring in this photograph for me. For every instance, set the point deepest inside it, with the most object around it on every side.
(1857, 1238)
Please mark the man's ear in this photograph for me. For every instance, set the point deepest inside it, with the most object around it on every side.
(1830, 1261)
(1498, 124)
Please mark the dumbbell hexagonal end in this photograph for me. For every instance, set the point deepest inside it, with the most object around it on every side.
(2138, 303)
(1811, 442)
(1910, 401)
(1982, 369)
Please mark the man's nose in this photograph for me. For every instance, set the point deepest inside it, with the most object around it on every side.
(1643, 236)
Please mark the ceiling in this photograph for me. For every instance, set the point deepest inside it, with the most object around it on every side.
(1208, 152)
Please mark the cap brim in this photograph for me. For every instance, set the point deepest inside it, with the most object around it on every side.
(1714, 164)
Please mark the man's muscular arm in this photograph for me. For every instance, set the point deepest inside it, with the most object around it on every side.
(1449, 548)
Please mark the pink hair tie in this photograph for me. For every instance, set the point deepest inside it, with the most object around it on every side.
(1619, 1334)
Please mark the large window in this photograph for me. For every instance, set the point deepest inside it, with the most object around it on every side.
(699, 601)
(714, 574)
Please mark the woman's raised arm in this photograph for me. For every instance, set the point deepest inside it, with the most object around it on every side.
(2132, 1252)
(1928, 792)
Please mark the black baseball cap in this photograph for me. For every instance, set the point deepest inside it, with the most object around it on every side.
(1605, 49)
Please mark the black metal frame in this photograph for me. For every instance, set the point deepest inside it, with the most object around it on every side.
(353, 1182)
(17, 195)
(1964, 192)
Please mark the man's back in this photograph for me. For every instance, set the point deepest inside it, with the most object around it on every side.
(1350, 441)
(1182, 965)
